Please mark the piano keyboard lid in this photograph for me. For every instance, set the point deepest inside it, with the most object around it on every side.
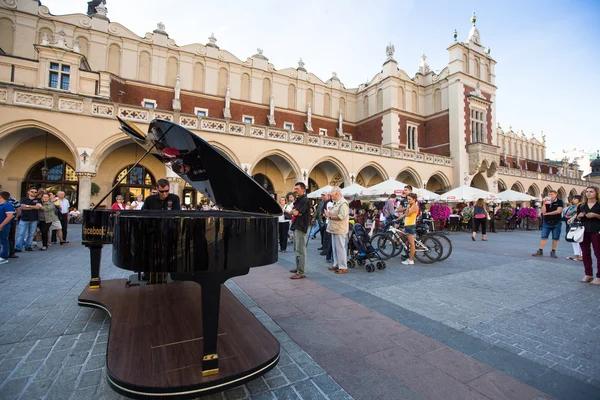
(205, 168)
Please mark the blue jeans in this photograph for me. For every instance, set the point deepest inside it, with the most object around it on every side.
(555, 229)
(25, 232)
(313, 233)
(4, 245)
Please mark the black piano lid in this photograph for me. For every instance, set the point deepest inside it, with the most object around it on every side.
(204, 167)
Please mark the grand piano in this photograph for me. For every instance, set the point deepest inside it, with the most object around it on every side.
(190, 336)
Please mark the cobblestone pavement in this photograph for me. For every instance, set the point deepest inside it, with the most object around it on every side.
(51, 348)
(497, 292)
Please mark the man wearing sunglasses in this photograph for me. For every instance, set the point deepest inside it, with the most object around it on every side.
(30, 205)
(163, 200)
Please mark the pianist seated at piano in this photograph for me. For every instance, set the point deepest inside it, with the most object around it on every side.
(163, 200)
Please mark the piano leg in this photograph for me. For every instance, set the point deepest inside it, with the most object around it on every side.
(95, 258)
(211, 301)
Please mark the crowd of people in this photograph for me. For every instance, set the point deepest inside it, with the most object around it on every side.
(40, 216)
(332, 216)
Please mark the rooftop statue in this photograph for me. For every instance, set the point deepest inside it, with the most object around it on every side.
(92, 6)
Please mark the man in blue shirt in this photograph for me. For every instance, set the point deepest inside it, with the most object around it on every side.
(7, 211)
(12, 235)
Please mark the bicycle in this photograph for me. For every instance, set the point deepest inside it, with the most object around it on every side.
(393, 241)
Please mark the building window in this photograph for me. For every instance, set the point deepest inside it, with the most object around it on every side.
(348, 137)
(149, 103)
(201, 112)
(322, 131)
(247, 119)
(411, 135)
(477, 126)
(288, 126)
(60, 76)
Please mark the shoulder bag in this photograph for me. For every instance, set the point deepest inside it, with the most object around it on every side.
(575, 234)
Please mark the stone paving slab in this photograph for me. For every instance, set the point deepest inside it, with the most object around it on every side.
(51, 348)
(489, 294)
(371, 355)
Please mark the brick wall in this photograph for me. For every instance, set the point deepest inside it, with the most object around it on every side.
(370, 131)
(134, 95)
(435, 132)
(213, 105)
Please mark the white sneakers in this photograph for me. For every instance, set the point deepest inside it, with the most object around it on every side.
(3, 261)
(408, 262)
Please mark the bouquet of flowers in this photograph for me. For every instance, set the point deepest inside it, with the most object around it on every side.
(461, 206)
(440, 212)
(506, 212)
(527, 212)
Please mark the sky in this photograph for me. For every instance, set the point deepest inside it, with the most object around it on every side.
(547, 53)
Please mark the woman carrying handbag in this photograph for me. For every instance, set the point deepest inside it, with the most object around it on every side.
(588, 212)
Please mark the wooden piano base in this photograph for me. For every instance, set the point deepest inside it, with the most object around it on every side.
(155, 343)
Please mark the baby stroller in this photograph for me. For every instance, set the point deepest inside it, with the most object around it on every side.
(361, 252)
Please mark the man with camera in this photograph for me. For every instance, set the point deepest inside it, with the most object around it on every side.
(551, 222)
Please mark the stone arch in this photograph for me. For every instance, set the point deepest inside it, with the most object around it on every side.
(562, 194)
(223, 79)
(410, 176)
(309, 98)
(371, 174)
(7, 35)
(107, 146)
(31, 128)
(401, 98)
(227, 151)
(518, 187)
(327, 105)
(266, 91)
(114, 59)
(172, 71)
(323, 172)
(479, 182)
(437, 100)
(533, 190)
(484, 166)
(245, 90)
(49, 35)
(572, 193)
(144, 66)
(501, 186)
(84, 46)
(546, 190)
(438, 182)
(491, 171)
(199, 77)
(291, 96)
(279, 167)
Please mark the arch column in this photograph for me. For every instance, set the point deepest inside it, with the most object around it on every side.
(174, 182)
(85, 189)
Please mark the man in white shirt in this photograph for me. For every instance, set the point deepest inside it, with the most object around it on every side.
(64, 213)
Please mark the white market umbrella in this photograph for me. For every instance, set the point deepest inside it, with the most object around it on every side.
(384, 188)
(353, 190)
(513, 195)
(317, 193)
(467, 193)
(424, 194)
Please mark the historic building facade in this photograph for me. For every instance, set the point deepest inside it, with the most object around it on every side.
(65, 79)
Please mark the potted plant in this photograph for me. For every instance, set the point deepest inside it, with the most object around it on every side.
(439, 213)
(527, 214)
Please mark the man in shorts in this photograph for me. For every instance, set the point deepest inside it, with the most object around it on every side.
(551, 222)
